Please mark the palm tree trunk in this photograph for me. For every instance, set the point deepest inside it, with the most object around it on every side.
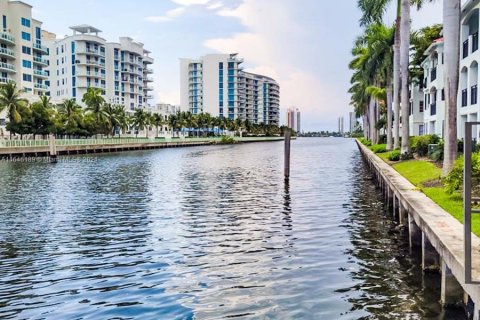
(389, 112)
(396, 79)
(404, 63)
(451, 34)
(371, 108)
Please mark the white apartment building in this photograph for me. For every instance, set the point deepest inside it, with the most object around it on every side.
(22, 53)
(417, 109)
(84, 59)
(217, 84)
(468, 104)
(434, 93)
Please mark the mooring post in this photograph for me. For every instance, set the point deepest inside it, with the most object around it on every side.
(287, 154)
(451, 291)
(53, 149)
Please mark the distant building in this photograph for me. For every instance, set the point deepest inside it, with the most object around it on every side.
(84, 59)
(340, 125)
(353, 121)
(217, 84)
(293, 119)
(298, 121)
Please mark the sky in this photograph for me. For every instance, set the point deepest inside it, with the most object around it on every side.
(304, 44)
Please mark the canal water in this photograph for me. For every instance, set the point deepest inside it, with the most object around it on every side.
(207, 233)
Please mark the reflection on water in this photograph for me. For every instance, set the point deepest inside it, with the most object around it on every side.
(206, 233)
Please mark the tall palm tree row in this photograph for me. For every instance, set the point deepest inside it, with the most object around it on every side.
(99, 117)
(372, 14)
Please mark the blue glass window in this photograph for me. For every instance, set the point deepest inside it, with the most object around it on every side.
(26, 50)
(73, 47)
(38, 33)
(26, 36)
(27, 77)
(74, 92)
(27, 64)
(4, 21)
(25, 22)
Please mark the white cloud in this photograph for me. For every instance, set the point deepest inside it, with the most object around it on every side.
(170, 15)
(215, 6)
(267, 46)
(190, 2)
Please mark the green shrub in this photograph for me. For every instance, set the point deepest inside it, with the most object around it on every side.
(437, 154)
(394, 155)
(227, 140)
(419, 144)
(379, 148)
(454, 180)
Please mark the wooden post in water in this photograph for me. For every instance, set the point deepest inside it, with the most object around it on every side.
(287, 155)
(53, 149)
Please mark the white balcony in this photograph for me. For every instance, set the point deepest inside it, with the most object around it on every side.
(4, 52)
(40, 61)
(40, 73)
(39, 47)
(7, 67)
(148, 70)
(40, 86)
(7, 38)
(5, 80)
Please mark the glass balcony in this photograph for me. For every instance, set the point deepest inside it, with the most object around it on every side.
(41, 61)
(6, 38)
(41, 86)
(7, 53)
(7, 67)
(41, 73)
(39, 47)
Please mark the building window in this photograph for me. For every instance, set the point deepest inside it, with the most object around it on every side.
(421, 106)
(26, 36)
(25, 22)
(27, 64)
(38, 33)
(4, 21)
(27, 77)
(26, 50)
(73, 47)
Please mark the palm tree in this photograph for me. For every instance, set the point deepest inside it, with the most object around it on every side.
(123, 119)
(141, 120)
(157, 121)
(451, 35)
(11, 101)
(110, 115)
(70, 113)
(94, 101)
(404, 71)
(172, 123)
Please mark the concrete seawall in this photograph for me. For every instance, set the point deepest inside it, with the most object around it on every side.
(44, 151)
(433, 231)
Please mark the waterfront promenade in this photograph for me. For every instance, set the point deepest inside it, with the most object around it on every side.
(40, 148)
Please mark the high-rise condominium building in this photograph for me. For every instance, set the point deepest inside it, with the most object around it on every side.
(352, 121)
(84, 59)
(217, 84)
(293, 119)
(22, 53)
(340, 125)
(298, 121)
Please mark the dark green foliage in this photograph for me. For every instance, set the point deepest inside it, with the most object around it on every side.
(454, 180)
(394, 155)
(419, 144)
(379, 148)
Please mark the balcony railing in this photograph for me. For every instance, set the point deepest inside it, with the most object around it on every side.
(41, 73)
(41, 86)
(465, 49)
(7, 66)
(5, 37)
(475, 42)
(38, 46)
(473, 95)
(7, 52)
(40, 60)
(464, 97)
(433, 74)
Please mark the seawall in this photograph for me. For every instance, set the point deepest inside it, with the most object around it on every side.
(433, 231)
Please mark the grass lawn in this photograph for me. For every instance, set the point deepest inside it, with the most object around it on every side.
(426, 176)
